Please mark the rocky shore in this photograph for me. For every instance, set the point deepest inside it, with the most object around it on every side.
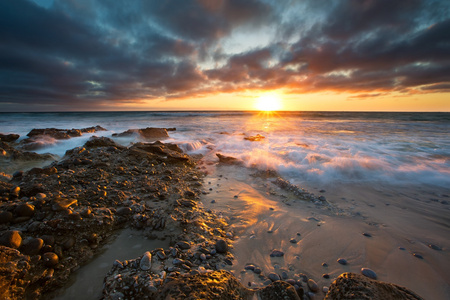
(55, 218)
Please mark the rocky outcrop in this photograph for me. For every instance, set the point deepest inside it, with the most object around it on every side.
(9, 137)
(355, 286)
(228, 160)
(146, 133)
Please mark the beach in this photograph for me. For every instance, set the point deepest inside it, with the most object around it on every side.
(326, 188)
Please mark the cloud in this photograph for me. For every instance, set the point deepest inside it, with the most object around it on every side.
(99, 52)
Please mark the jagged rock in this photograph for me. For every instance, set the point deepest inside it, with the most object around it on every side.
(146, 133)
(13, 266)
(96, 141)
(228, 160)
(255, 138)
(355, 286)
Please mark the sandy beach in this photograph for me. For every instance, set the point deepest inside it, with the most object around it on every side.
(397, 224)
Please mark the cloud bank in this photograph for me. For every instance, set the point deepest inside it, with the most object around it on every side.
(95, 53)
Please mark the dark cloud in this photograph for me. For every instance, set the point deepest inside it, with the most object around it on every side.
(99, 52)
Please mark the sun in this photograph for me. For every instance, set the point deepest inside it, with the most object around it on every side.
(268, 103)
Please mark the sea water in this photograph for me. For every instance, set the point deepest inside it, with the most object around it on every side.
(324, 147)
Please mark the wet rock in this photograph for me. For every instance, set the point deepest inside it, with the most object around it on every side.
(32, 247)
(432, 246)
(9, 137)
(11, 239)
(255, 138)
(124, 211)
(50, 259)
(355, 286)
(273, 276)
(5, 217)
(146, 261)
(312, 285)
(221, 246)
(228, 160)
(369, 273)
(183, 245)
(342, 261)
(24, 210)
(276, 253)
(147, 133)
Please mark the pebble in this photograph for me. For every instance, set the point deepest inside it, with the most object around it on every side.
(50, 259)
(417, 255)
(203, 256)
(401, 248)
(146, 261)
(273, 276)
(291, 281)
(24, 210)
(325, 289)
(213, 201)
(324, 264)
(342, 261)
(221, 246)
(183, 245)
(276, 253)
(11, 239)
(326, 276)
(299, 234)
(284, 275)
(313, 286)
(367, 234)
(33, 246)
(293, 241)
(5, 217)
(68, 243)
(311, 296)
(63, 204)
(249, 267)
(434, 247)
(257, 271)
(124, 211)
(369, 273)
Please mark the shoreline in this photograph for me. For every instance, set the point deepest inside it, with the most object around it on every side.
(249, 212)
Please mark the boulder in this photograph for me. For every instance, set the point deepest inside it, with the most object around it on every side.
(9, 137)
(355, 286)
(146, 133)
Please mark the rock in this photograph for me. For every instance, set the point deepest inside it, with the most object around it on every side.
(228, 160)
(11, 239)
(50, 259)
(124, 211)
(221, 285)
(325, 289)
(417, 255)
(183, 245)
(5, 217)
(276, 253)
(24, 210)
(9, 137)
(326, 276)
(146, 133)
(221, 246)
(293, 241)
(367, 234)
(368, 273)
(48, 239)
(255, 138)
(61, 204)
(146, 261)
(432, 246)
(68, 243)
(355, 286)
(342, 261)
(32, 247)
(312, 285)
(273, 276)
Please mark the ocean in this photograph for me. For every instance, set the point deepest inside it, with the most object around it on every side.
(304, 147)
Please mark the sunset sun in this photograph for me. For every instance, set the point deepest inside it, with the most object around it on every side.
(268, 103)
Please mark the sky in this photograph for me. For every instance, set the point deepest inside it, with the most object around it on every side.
(351, 55)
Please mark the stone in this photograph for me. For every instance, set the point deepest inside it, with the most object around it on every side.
(221, 246)
(355, 286)
(5, 217)
(50, 259)
(183, 245)
(32, 247)
(24, 210)
(9, 137)
(276, 253)
(124, 211)
(434, 247)
(367, 234)
(146, 261)
(293, 241)
(68, 243)
(369, 273)
(312, 285)
(273, 276)
(418, 255)
(228, 160)
(61, 204)
(11, 239)
(342, 261)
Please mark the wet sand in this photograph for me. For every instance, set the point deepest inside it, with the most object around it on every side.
(264, 217)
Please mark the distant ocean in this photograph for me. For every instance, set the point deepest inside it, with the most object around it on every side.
(304, 147)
